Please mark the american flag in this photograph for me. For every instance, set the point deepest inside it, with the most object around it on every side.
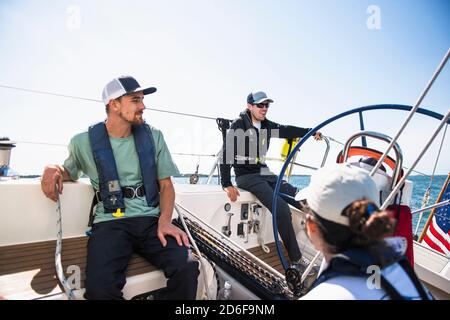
(437, 236)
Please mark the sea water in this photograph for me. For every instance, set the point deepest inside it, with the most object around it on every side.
(420, 185)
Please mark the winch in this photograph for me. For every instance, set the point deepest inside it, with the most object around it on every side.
(5, 155)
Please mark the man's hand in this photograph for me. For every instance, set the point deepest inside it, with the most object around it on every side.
(232, 193)
(168, 229)
(318, 136)
(53, 175)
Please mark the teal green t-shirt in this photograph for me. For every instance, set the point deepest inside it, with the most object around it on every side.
(81, 160)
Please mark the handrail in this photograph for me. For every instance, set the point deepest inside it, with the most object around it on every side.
(325, 157)
(382, 137)
(327, 150)
(436, 205)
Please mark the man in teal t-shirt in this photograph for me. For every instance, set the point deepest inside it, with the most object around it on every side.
(134, 224)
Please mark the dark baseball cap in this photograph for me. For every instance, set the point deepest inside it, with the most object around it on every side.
(122, 85)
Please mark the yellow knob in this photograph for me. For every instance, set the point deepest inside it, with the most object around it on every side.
(118, 213)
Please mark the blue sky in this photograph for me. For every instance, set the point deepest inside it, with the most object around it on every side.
(315, 58)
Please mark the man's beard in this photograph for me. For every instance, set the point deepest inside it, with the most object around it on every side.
(134, 121)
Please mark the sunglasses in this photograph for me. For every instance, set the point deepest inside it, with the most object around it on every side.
(262, 105)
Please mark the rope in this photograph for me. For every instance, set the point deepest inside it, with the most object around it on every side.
(426, 196)
(59, 268)
(202, 260)
(439, 154)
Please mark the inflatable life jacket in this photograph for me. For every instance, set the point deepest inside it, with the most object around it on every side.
(110, 190)
(355, 263)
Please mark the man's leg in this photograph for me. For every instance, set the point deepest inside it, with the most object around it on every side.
(290, 190)
(109, 251)
(261, 188)
(178, 265)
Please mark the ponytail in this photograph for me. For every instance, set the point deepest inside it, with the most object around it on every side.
(367, 227)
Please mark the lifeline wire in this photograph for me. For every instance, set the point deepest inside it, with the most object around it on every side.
(100, 101)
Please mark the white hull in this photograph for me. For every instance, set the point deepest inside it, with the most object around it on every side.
(28, 217)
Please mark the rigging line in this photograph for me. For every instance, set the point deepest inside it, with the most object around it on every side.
(425, 148)
(100, 101)
(421, 173)
(182, 114)
(49, 93)
(439, 154)
(42, 143)
(180, 154)
(65, 145)
(157, 110)
(193, 154)
(184, 154)
(412, 112)
(334, 140)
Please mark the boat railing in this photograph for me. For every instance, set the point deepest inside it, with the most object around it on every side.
(382, 137)
(326, 139)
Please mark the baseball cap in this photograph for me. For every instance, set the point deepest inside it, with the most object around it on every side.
(122, 85)
(258, 97)
(335, 187)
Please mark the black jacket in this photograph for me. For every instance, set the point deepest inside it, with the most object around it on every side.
(250, 145)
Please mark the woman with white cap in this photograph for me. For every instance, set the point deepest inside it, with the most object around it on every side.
(344, 223)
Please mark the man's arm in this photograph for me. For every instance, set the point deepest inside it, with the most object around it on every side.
(225, 177)
(53, 175)
(290, 132)
(166, 204)
(225, 169)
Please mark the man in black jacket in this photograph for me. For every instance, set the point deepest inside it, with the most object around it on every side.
(245, 148)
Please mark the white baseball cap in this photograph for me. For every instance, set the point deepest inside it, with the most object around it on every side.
(122, 85)
(333, 188)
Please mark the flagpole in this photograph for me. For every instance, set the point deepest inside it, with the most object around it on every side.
(430, 217)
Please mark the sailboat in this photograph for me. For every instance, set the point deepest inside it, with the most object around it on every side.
(43, 245)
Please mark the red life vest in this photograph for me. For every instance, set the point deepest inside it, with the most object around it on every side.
(403, 227)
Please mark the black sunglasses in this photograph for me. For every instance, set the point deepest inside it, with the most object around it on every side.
(262, 105)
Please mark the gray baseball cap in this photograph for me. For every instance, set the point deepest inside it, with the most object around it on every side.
(258, 97)
(122, 85)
